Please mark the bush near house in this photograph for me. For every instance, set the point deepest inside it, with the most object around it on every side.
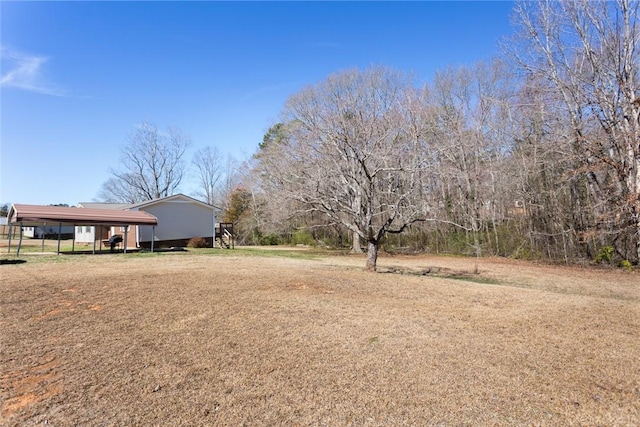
(197, 242)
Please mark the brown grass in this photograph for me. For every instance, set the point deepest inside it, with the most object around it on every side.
(184, 339)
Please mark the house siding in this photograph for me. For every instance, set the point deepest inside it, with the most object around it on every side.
(83, 235)
(178, 221)
(87, 234)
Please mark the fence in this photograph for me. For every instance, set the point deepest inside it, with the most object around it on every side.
(4, 232)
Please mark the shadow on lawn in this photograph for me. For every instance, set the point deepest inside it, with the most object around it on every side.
(12, 261)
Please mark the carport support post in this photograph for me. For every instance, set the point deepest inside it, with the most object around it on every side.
(213, 217)
(95, 229)
(10, 233)
(153, 236)
(44, 226)
(126, 234)
(20, 241)
(59, 234)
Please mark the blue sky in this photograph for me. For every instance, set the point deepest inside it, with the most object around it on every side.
(77, 77)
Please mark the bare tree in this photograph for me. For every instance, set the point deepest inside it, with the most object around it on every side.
(231, 179)
(588, 50)
(209, 167)
(281, 215)
(151, 165)
(545, 176)
(354, 152)
(116, 190)
(471, 103)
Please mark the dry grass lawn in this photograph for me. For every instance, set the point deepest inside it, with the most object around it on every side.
(186, 339)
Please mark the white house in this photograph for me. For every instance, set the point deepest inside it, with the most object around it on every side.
(180, 218)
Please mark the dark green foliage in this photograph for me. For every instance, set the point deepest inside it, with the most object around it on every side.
(275, 135)
(605, 254)
(302, 237)
(271, 239)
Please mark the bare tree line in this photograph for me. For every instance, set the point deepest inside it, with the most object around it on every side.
(586, 52)
(153, 165)
(533, 155)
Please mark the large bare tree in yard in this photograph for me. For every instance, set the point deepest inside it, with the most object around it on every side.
(151, 166)
(354, 152)
(588, 51)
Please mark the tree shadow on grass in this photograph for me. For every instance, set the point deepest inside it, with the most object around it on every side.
(444, 273)
(12, 261)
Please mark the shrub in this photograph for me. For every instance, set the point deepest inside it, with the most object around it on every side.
(270, 239)
(255, 238)
(625, 264)
(604, 254)
(302, 237)
(197, 242)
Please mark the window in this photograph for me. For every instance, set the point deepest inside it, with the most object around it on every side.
(79, 230)
(87, 229)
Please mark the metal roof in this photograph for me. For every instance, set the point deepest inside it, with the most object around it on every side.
(145, 203)
(98, 205)
(36, 214)
(174, 197)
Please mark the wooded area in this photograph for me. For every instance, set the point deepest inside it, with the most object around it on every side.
(540, 160)
(533, 155)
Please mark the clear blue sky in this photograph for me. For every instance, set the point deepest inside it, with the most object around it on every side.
(77, 77)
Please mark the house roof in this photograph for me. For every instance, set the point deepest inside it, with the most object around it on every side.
(175, 197)
(94, 205)
(124, 206)
(36, 215)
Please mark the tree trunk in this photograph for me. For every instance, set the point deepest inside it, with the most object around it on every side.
(636, 239)
(356, 204)
(372, 256)
(634, 188)
(356, 248)
(637, 242)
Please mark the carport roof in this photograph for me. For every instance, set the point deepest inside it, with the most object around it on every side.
(30, 215)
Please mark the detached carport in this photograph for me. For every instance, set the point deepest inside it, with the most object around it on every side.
(35, 215)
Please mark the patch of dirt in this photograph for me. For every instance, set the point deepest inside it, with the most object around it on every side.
(29, 386)
(184, 339)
